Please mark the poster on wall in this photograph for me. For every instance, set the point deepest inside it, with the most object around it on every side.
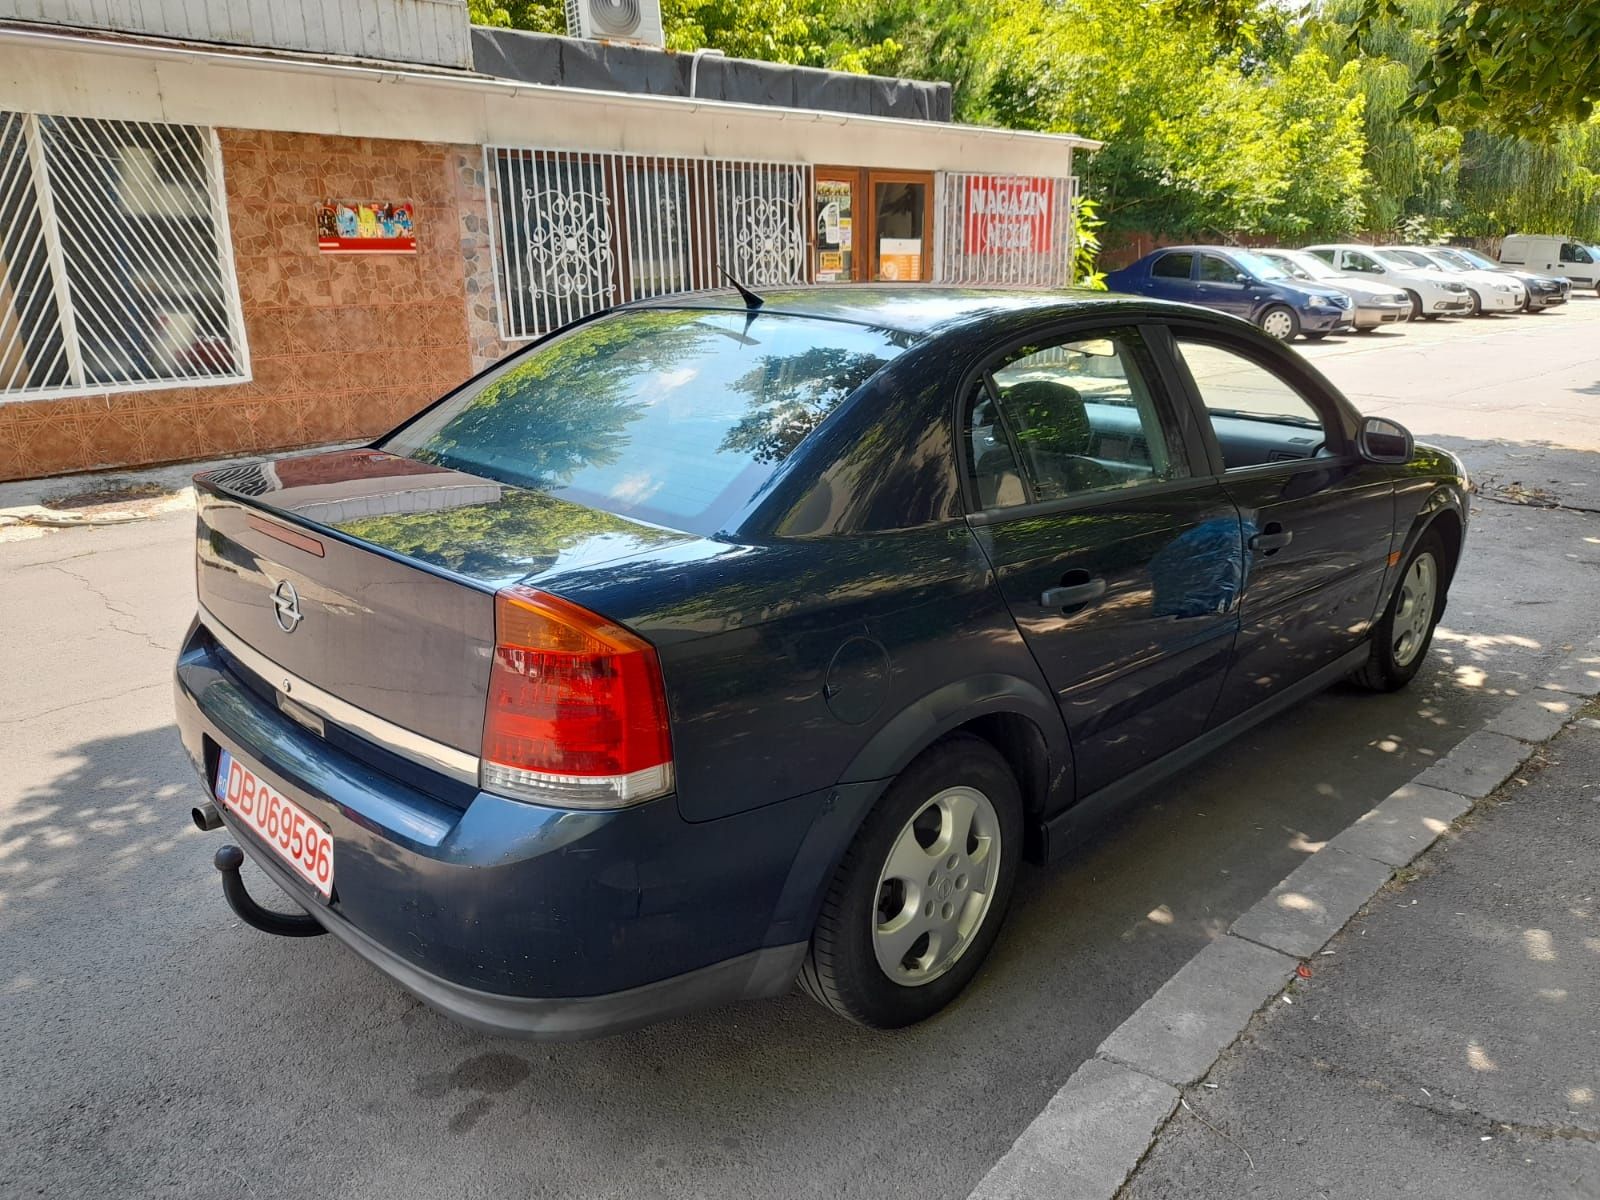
(369, 227)
(1009, 214)
(899, 258)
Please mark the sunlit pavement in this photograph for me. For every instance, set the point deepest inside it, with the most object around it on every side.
(152, 1045)
(1445, 1044)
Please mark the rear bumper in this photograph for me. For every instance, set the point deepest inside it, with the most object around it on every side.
(519, 918)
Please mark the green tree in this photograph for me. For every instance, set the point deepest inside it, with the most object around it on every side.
(1525, 68)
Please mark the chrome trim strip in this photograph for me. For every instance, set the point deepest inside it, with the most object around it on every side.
(457, 764)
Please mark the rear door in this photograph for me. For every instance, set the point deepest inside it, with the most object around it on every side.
(1172, 277)
(1119, 565)
(1318, 521)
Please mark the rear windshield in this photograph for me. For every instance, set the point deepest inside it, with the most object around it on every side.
(675, 417)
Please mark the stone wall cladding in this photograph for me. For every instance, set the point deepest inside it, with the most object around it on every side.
(342, 346)
(483, 311)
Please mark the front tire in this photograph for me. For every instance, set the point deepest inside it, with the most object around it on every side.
(1416, 305)
(1280, 323)
(1400, 640)
(1477, 304)
(917, 902)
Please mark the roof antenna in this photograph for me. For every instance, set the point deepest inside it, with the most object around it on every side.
(751, 300)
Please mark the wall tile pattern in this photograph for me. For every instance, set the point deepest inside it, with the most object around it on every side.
(341, 345)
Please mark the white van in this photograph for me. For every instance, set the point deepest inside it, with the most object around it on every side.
(1563, 257)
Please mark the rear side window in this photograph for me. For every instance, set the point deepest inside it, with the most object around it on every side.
(1173, 266)
(675, 417)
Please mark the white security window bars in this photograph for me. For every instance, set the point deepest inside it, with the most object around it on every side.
(115, 268)
(1011, 230)
(577, 232)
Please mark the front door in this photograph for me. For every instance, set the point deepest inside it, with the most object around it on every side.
(901, 217)
(1119, 566)
(1220, 286)
(1318, 521)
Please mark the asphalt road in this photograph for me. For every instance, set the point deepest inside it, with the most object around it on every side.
(153, 1046)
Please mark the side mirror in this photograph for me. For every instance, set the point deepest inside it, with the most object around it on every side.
(1384, 441)
(1241, 277)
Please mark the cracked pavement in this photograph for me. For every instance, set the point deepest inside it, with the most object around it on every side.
(1448, 1044)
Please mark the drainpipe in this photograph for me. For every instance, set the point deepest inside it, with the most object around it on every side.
(694, 67)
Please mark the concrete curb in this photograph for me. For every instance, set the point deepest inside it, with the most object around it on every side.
(1097, 1129)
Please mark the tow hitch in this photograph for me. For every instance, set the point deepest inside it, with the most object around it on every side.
(228, 860)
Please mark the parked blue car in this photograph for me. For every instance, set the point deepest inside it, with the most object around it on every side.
(1238, 282)
(709, 644)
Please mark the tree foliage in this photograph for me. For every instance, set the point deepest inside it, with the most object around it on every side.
(1227, 118)
(1526, 68)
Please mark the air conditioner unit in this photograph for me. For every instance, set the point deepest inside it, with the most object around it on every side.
(616, 21)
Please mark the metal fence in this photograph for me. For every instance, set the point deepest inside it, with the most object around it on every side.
(115, 267)
(1011, 230)
(575, 232)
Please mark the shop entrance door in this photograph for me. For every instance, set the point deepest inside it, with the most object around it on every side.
(901, 212)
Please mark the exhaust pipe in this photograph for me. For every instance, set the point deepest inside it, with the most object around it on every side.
(206, 817)
(228, 860)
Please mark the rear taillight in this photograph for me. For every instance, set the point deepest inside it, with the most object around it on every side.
(577, 712)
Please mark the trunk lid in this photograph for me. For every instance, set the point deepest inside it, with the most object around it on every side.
(372, 576)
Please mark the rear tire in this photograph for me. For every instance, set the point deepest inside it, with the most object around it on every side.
(918, 899)
(1400, 640)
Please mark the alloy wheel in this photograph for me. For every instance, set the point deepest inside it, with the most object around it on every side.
(1413, 616)
(936, 886)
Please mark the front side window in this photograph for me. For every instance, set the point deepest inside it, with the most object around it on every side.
(1173, 266)
(1217, 270)
(1574, 254)
(1357, 261)
(676, 417)
(1062, 419)
(1257, 415)
(113, 261)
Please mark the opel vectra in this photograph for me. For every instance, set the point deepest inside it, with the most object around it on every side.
(717, 643)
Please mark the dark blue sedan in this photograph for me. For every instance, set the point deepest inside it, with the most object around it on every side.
(1238, 282)
(715, 643)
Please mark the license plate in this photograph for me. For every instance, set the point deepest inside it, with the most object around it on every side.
(292, 833)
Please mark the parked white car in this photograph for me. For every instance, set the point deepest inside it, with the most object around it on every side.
(1553, 254)
(1375, 303)
(1433, 293)
(1544, 291)
(1491, 291)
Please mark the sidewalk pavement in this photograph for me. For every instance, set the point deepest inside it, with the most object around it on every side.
(1447, 1043)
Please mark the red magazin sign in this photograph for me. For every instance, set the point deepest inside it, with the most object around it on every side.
(1007, 214)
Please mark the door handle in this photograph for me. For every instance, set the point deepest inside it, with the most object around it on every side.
(1272, 538)
(1076, 590)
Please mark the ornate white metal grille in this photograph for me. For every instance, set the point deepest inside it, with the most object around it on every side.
(1011, 230)
(576, 232)
(116, 272)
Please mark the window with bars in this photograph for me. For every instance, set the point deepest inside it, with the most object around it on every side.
(576, 232)
(115, 272)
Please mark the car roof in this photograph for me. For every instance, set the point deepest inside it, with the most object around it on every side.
(917, 309)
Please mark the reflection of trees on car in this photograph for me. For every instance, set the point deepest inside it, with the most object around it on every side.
(567, 405)
(791, 394)
(522, 533)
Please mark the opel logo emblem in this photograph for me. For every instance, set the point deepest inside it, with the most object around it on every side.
(286, 606)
